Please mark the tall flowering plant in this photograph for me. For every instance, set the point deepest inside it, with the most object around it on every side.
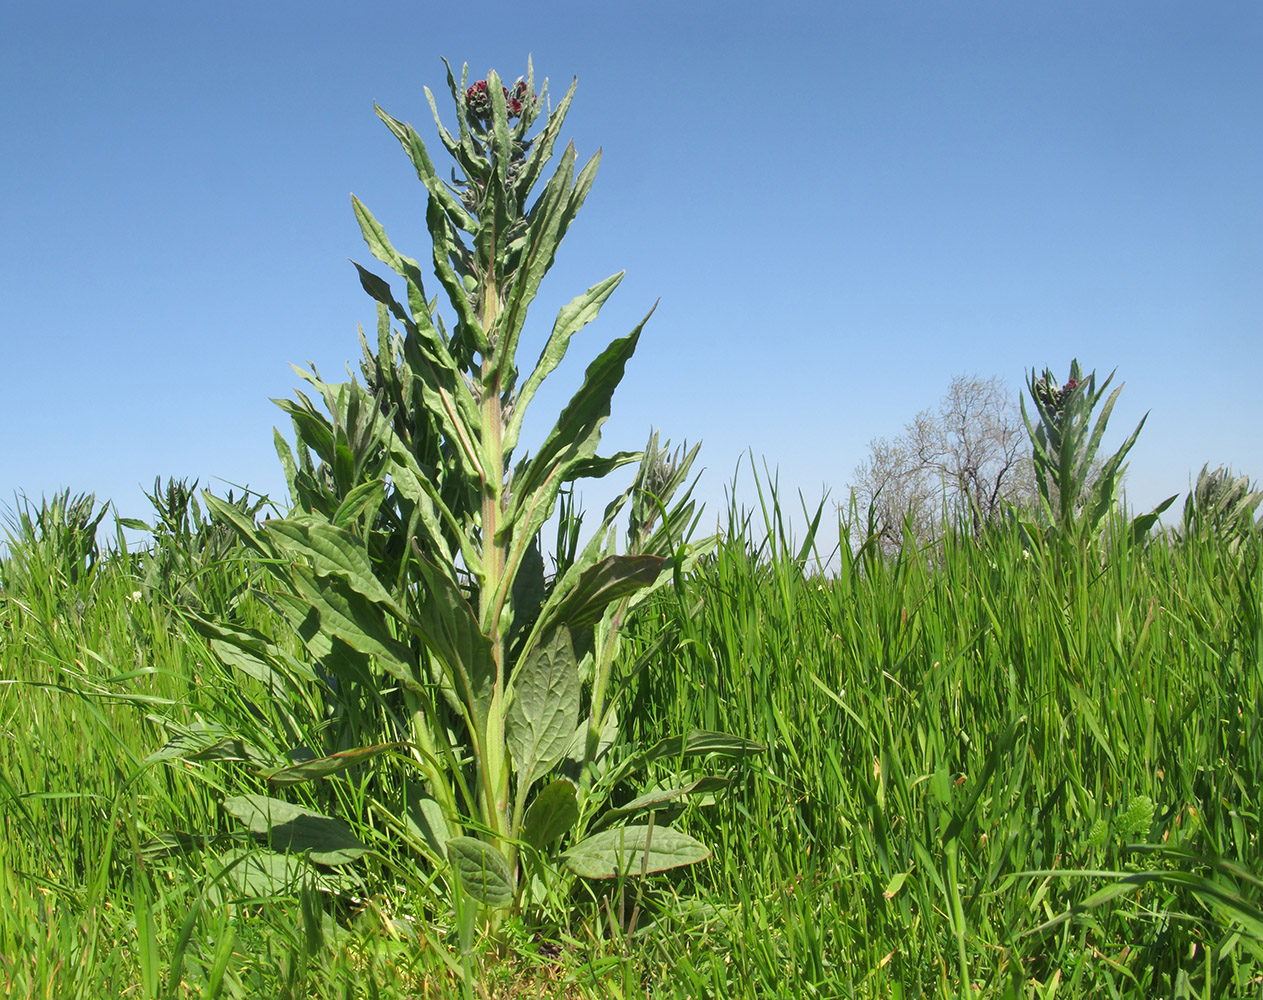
(412, 566)
(1077, 491)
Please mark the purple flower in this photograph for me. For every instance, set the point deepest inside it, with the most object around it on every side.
(478, 100)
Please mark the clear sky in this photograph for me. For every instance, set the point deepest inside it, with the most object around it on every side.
(841, 205)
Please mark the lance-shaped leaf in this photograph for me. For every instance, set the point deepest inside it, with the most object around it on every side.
(598, 586)
(450, 629)
(592, 551)
(424, 820)
(575, 436)
(694, 743)
(446, 246)
(407, 268)
(444, 391)
(465, 152)
(503, 143)
(426, 173)
(254, 655)
(554, 811)
(292, 828)
(364, 499)
(311, 426)
(334, 552)
(571, 443)
(634, 850)
(703, 742)
(542, 149)
(205, 741)
(288, 464)
(544, 231)
(242, 524)
(356, 621)
(447, 396)
(545, 708)
(484, 872)
(322, 767)
(661, 798)
(571, 318)
(430, 511)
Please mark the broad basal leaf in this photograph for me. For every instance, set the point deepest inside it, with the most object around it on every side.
(297, 830)
(484, 872)
(553, 812)
(634, 850)
(203, 741)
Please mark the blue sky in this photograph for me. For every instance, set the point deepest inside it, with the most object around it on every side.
(840, 205)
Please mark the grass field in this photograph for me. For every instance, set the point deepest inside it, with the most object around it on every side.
(992, 769)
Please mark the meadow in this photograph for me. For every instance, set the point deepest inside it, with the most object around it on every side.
(390, 737)
(985, 775)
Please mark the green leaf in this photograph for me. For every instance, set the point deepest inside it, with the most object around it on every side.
(483, 871)
(600, 585)
(576, 434)
(206, 741)
(571, 443)
(446, 245)
(297, 830)
(259, 874)
(415, 486)
(545, 708)
(542, 149)
(554, 811)
(578, 749)
(426, 173)
(660, 798)
(450, 629)
(334, 552)
(253, 654)
(699, 742)
(447, 396)
(1141, 525)
(322, 767)
(529, 591)
(894, 885)
(367, 496)
(350, 617)
(251, 873)
(634, 850)
(405, 267)
(545, 227)
(425, 819)
(244, 526)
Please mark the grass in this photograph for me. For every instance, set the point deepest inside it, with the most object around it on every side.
(989, 773)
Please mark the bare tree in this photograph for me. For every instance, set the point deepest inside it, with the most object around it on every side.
(968, 460)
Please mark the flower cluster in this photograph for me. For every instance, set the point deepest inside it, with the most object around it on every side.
(478, 100)
(1053, 396)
